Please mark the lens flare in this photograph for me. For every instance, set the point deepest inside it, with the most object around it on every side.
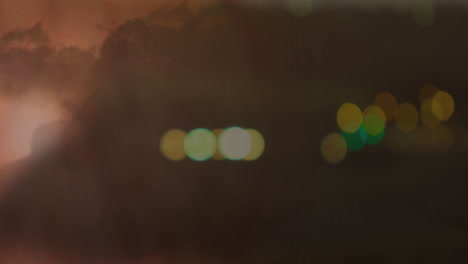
(200, 144)
(235, 143)
(407, 117)
(258, 145)
(349, 118)
(334, 148)
(172, 145)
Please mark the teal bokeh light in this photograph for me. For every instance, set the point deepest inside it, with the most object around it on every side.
(374, 140)
(357, 140)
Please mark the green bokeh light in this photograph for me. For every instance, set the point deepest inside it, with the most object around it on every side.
(374, 140)
(200, 144)
(357, 140)
(373, 125)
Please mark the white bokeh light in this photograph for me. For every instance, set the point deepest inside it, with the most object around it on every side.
(235, 143)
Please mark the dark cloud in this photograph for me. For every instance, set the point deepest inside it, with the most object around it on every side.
(34, 35)
(29, 62)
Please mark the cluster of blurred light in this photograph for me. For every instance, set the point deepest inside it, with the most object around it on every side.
(436, 106)
(359, 128)
(201, 144)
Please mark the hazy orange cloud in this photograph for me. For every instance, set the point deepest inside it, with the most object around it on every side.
(68, 22)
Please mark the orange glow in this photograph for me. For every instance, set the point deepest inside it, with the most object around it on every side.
(64, 19)
(388, 103)
(218, 155)
(19, 120)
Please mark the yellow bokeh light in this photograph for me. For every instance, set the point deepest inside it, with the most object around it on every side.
(334, 148)
(407, 117)
(427, 92)
(235, 143)
(172, 145)
(258, 145)
(349, 118)
(373, 125)
(217, 133)
(377, 111)
(447, 105)
(388, 103)
(428, 109)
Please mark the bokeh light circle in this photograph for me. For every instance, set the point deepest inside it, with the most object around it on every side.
(257, 145)
(407, 117)
(373, 124)
(355, 141)
(217, 133)
(388, 103)
(200, 144)
(375, 110)
(172, 145)
(334, 148)
(447, 105)
(349, 118)
(374, 140)
(235, 143)
(427, 92)
(428, 110)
